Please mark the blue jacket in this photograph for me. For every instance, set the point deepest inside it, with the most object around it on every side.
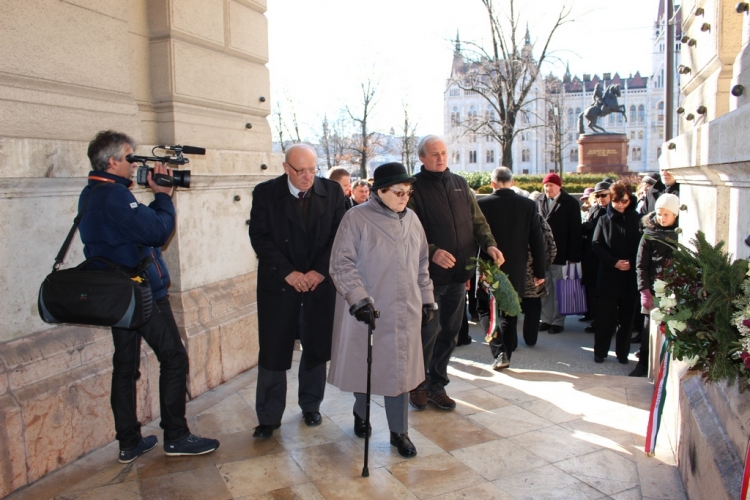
(117, 227)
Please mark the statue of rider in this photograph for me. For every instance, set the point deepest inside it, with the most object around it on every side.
(598, 97)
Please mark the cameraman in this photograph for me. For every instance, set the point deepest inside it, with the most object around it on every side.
(117, 227)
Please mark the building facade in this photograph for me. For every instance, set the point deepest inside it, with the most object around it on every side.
(548, 125)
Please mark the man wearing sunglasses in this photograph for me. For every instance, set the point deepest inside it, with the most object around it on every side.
(455, 228)
(293, 222)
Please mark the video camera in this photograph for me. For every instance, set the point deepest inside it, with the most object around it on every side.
(179, 178)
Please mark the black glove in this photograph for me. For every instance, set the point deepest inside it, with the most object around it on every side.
(364, 311)
(428, 312)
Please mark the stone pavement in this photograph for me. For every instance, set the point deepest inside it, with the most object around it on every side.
(560, 430)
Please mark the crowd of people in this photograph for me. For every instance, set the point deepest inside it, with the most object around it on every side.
(393, 255)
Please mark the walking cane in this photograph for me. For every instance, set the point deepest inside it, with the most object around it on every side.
(365, 470)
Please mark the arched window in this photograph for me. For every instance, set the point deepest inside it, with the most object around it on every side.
(634, 155)
(490, 114)
(490, 156)
(455, 117)
(660, 112)
(578, 111)
(571, 117)
(632, 113)
(525, 155)
(619, 117)
(641, 113)
(472, 116)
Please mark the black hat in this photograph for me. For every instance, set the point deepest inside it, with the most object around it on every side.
(601, 186)
(389, 174)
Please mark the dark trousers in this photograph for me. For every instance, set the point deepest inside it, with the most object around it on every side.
(615, 316)
(439, 336)
(591, 301)
(463, 333)
(396, 410)
(270, 393)
(507, 339)
(645, 342)
(161, 334)
(532, 312)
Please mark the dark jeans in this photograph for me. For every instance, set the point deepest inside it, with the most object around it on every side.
(615, 316)
(439, 336)
(532, 312)
(161, 334)
(507, 340)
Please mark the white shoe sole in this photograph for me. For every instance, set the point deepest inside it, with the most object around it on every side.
(175, 454)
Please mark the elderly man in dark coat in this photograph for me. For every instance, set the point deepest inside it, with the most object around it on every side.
(515, 226)
(563, 214)
(293, 223)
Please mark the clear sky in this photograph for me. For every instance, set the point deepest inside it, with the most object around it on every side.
(321, 51)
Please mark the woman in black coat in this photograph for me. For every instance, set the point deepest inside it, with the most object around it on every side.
(615, 244)
(589, 262)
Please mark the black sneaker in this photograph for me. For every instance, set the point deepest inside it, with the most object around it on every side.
(147, 443)
(190, 445)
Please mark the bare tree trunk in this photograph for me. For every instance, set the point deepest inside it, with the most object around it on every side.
(363, 144)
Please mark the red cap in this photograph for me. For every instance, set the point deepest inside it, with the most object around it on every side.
(553, 178)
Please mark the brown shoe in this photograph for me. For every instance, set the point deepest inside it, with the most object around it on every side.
(442, 401)
(418, 398)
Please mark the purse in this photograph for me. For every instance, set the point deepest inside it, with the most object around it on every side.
(571, 293)
(106, 294)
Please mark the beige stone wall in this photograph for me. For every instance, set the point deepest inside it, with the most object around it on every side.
(165, 72)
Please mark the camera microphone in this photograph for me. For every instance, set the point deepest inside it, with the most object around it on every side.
(188, 150)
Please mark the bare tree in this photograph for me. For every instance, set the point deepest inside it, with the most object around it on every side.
(504, 75)
(282, 122)
(363, 142)
(557, 127)
(407, 142)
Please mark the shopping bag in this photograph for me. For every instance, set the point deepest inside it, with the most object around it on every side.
(571, 293)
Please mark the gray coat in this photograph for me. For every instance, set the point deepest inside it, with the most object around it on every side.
(378, 254)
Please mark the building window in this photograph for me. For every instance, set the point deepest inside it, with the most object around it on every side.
(574, 155)
(490, 156)
(571, 117)
(455, 91)
(487, 138)
(636, 154)
(660, 112)
(525, 171)
(456, 157)
(612, 119)
(472, 156)
(632, 135)
(632, 113)
(472, 116)
(490, 114)
(619, 117)
(640, 134)
(578, 111)
(455, 118)
(526, 155)
(641, 113)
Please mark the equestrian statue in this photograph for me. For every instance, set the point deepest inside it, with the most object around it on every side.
(602, 105)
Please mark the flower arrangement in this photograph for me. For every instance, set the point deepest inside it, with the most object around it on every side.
(498, 285)
(704, 310)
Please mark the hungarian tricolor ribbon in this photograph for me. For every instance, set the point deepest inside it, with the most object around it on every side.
(494, 314)
(657, 402)
(746, 475)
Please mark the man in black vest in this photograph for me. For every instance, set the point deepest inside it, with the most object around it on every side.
(514, 221)
(563, 214)
(293, 222)
(455, 228)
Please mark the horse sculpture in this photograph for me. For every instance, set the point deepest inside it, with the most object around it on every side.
(607, 105)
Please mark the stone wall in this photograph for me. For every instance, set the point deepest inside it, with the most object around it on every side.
(165, 72)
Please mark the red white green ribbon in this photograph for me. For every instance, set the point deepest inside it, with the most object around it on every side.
(494, 313)
(657, 402)
(746, 475)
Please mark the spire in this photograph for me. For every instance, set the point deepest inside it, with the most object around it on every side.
(458, 42)
(528, 35)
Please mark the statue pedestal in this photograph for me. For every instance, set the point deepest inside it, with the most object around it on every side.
(602, 153)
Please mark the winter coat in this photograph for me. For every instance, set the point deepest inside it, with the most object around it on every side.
(589, 262)
(381, 255)
(653, 254)
(565, 221)
(514, 222)
(284, 243)
(616, 237)
(452, 221)
(117, 227)
(550, 250)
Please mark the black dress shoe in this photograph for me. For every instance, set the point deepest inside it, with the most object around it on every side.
(359, 427)
(598, 359)
(636, 339)
(265, 431)
(543, 327)
(640, 371)
(403, 443)
(556, 329)
(466, 341)
(623, 361)
(583, 319)
(312, 418)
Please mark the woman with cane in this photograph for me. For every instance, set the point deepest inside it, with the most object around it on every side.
(379, 261)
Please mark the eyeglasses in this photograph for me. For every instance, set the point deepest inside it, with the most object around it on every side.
(401, 194)
(603, 195)
(621, 200)
(302, 171)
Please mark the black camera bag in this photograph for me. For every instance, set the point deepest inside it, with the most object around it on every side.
(106, 294)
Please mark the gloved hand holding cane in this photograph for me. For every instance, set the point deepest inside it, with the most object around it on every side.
(364, 311)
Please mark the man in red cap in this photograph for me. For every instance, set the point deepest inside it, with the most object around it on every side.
(563, 214)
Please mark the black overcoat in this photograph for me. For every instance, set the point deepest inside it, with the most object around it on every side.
(283, 244)
(515, 226)
(616, 237)
(565, 221)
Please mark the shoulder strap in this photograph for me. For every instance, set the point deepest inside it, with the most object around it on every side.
(64, 249)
